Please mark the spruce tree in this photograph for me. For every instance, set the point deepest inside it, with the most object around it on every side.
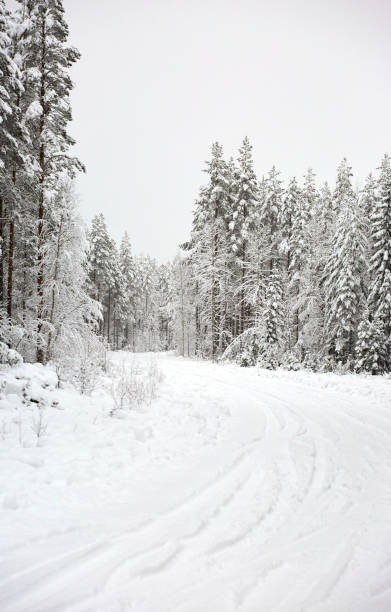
(344, 270)
(128, 275)
(209, 246)
(379, 299)
(371, 348)
(243, 220)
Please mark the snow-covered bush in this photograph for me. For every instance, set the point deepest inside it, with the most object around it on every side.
(246, 348)
(9, 356)
(80, 360)
(270, 357)
(131, 385)
(290, 360)
(312, 361)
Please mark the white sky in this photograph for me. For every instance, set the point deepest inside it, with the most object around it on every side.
(160, 80)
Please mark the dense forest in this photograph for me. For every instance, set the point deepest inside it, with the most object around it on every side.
(275, 273)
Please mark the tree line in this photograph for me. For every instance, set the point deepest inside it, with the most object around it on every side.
(273, 274)
(289, 275)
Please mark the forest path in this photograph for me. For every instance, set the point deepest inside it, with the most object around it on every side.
(248, 492)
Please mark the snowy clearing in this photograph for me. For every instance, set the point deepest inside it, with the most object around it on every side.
(234, 490)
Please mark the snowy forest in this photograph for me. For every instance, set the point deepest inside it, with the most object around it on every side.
(275, 272)
(207, 429)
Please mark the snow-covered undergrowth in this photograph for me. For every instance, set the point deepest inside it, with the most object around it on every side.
(188, 486)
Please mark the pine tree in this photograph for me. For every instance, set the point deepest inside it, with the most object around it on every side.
(344, 270)
(380, 222)
(379, 299)
(321, 235)
(243, 220)
(99, 257)
(343, 187)
(128, 275)
(270, 214)
(300, 252)
(369, 198)
(216, 214)
(13, 142)
(209, 246)
(371, 348)
(47, 60)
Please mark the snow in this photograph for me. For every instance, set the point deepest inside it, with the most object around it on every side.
(234, 490)
(34, 110)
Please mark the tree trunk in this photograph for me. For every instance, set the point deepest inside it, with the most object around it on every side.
(242, 292)
(41, 208)
(297, 312)
(214, 295)
(55, 278)
(182, 310)
(197, 323)
(108, 317)
(10, 267)
(2, 218)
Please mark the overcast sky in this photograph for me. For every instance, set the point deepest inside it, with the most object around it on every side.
(160, 80)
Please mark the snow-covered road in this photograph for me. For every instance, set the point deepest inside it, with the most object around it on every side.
(234, 491)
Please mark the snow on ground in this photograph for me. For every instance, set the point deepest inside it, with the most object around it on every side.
(234, 490)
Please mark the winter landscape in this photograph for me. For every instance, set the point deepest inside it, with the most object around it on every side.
(206, 427)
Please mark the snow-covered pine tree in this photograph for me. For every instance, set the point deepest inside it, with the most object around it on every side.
(269, 214)
(273, 318)
(371, 347)
(321, 232)
(165, 308)
(116, 299)
(215, 217)
(182, 296)
(13, 155)
(47, 60)
(289, 216)
(147, 320)
(99, 257)
(244, 210)
(301, 260)
(269, 217)
(101, 266)
(379, 299)
(128, 275)
(343, 186)
(209, 248)
(369, 198)
(344, 269)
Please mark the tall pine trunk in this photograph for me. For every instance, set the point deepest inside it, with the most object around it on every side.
(215, 291)
(41, 207)
(182, 310)
(10, 267)
(242, 291)
(55, 278)
(108, 316)
(2, 237)
(11, 249)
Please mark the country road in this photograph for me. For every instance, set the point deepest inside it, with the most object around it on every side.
(234, 491)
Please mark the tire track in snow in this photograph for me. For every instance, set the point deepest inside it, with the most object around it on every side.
(106, 549)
